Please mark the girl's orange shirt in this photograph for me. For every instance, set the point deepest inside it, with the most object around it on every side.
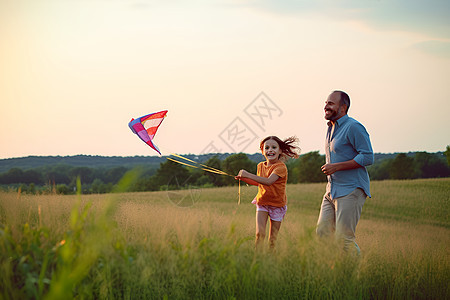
(275, 194)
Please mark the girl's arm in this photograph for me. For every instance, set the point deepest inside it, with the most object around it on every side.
(244, 175)
(247, 180)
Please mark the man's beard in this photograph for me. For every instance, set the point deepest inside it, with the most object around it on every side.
(333, 115)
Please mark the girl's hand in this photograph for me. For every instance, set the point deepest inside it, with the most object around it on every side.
(255, 179)
(247, 180)
(242, 173)
(244, 176)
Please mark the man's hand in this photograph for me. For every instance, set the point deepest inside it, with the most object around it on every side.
(329, 169)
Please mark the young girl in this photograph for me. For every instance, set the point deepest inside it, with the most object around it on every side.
(271, 179)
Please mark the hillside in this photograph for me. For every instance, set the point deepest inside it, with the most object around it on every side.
(31, 162)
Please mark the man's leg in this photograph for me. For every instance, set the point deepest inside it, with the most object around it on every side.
(327, 217)
(348, 212)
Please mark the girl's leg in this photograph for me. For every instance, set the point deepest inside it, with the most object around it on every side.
(274, 228)
(261, 221)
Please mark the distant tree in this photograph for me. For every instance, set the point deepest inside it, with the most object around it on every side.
(145, 183)
(31, 188)
(380, 170)
(85, 174)
(234, 163)
(216, 179)
(57, 174)
(309, 167)
(204, 181)
(62, 189)
(447, 154)
(194, 175)
(292, 166)
(14, 175)
(171, 174)
(430, 165)
(96, 186)
(402, 167)
(32, 176)
(113, 175)
(22, 188)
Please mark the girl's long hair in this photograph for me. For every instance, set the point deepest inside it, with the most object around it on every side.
(288, 147)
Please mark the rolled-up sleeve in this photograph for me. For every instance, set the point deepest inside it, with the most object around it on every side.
(361, 142)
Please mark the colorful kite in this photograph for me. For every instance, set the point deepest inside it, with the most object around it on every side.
(145, 127)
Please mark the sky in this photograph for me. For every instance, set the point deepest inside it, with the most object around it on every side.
(74, 72)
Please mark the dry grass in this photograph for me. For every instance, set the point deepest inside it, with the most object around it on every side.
(199, 244)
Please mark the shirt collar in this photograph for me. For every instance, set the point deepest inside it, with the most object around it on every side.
(342, 120)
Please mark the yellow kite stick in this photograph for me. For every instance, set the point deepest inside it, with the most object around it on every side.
(176, 155)
(197, 167)
(208, 167)
(183, 163)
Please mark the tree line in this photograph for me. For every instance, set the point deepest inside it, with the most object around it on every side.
(62, 178)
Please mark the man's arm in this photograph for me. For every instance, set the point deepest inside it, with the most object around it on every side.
(360, 140)
(329, 169)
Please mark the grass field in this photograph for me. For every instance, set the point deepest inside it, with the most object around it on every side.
(198, 244)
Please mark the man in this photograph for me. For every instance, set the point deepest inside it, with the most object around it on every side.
(348, 151)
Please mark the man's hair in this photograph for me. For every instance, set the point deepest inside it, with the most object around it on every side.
(344, 99)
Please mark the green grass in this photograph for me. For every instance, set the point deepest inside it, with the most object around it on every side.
(143, 246)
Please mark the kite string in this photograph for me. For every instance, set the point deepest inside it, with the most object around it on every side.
(198, 165)
(203, 167)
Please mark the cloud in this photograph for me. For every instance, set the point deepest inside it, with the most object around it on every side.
(426, 17)
(435, 48)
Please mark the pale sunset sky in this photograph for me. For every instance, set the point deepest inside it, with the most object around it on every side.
(74, 72)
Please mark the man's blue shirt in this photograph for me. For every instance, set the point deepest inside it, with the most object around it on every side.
(349, 140)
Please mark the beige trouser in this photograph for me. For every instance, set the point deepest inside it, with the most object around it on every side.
(341, 215)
